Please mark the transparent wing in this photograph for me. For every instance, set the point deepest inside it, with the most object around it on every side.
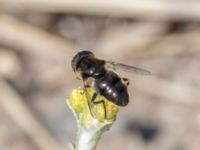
(131, 69)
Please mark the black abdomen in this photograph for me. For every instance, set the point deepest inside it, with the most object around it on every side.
(111, 87)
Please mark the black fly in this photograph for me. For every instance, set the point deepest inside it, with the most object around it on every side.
(105, 81)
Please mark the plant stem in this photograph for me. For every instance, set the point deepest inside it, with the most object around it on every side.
(90, 126)
(87, 139)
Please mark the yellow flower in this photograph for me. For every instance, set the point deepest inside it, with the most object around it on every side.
(85, 109)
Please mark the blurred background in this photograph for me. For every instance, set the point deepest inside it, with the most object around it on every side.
(38, 39)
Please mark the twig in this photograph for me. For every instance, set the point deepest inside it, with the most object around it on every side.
(129, 39)
(151, 9)
(170, 91)
(10, 65)
(32, 40)
(14, 106)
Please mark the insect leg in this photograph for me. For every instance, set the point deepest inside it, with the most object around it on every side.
(126, 81)
(85, 86)
(99, 102)
(94, 96)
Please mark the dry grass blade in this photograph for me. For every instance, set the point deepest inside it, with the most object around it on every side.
(130, 39)
(14, 106)
(32, 40)
(151, 9)
(10, 65)
(169, 91)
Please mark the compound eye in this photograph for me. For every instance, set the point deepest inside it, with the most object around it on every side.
(85, 53)
(126, 81)
(78, 58)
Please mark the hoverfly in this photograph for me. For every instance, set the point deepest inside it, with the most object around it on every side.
(105, 80)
